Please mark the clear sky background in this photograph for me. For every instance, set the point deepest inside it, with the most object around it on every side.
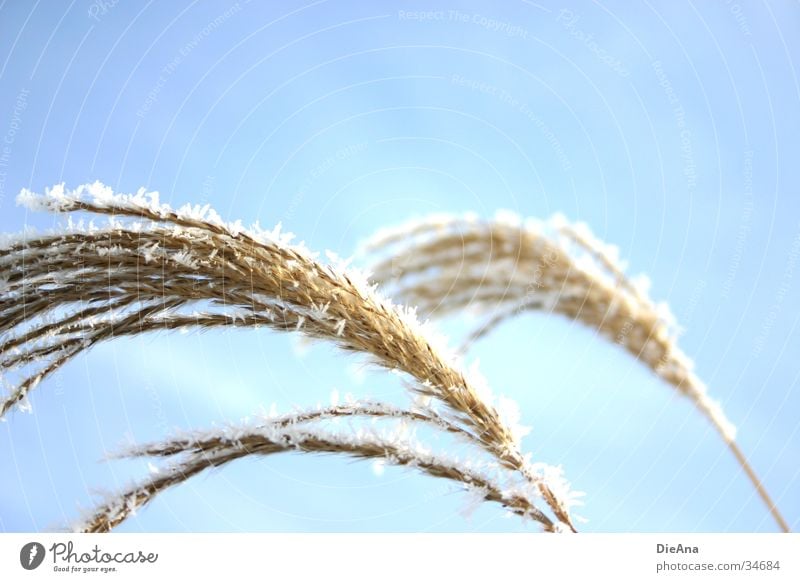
(670, 127)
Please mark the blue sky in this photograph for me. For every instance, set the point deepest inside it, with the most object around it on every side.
(671, 128)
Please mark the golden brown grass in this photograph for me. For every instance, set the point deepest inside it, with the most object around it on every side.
(202, 451)
(63, 293)
(153, 268)
(505, 267)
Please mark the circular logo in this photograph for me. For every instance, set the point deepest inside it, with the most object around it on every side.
(31, 555)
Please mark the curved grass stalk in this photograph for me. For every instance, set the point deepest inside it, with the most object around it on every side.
(65, 292)
(506, 267)
(216, 449)
(366, 409)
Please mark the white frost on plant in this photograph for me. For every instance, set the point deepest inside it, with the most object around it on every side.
(475, 497)
(301, 345)
(357, 372)
(481, 479)
(553, 477)
(478, 381)
(378, 467)
(509, 412)
(185, 259)
(713, 409)
(24, 405)
(339, 328)
(508, 218)
(58, 199)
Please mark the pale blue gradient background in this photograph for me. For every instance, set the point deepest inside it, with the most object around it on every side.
(339, 117)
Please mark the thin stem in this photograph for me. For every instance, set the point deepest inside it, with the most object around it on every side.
(762, 492)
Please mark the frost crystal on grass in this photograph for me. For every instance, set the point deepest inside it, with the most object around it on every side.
(339, 328)
(378, 467)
